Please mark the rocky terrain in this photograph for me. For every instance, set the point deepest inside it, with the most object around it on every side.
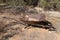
(10, 29)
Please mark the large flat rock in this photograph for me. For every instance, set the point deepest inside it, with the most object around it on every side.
(37, 34)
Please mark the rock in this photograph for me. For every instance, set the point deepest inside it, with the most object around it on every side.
(36, 34)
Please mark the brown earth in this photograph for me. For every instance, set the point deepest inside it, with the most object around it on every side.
(15, 31)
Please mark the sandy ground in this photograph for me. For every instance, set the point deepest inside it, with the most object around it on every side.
(15, 32)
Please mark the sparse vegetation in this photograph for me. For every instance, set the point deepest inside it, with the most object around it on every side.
(48, 4)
